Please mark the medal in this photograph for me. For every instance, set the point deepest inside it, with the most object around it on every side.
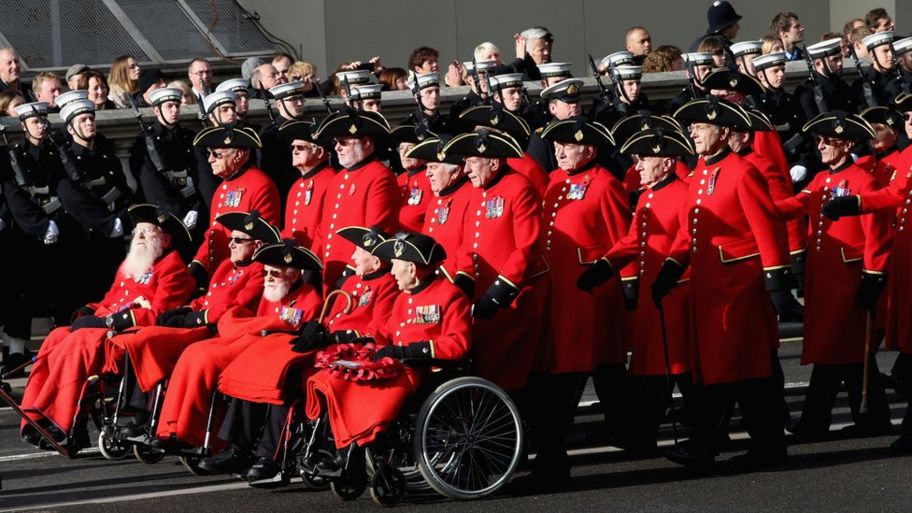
(144, 279)
(291, 316)
(712, 182)
(233, 198)
(308, 193)
(365, 297)
(841, 189)
(578, 190)
(427, 314)
(351, 190)
(414, 196)
(494, 207)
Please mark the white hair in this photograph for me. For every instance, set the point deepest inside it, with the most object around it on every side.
(482, 50)
(533, 33)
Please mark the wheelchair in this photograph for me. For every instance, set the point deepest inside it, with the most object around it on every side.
(459, 436)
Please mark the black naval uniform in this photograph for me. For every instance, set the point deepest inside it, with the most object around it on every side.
(275, 158)
(873, 89)
(95, 192)
(175, 186)
(436, 123)
(30, 190)
(457, 125)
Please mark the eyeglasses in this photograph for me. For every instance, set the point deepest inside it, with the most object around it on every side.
(239, 240)
(218, 155)
(201, 72)
(275, 273)
(145, 232)
(347, 141)
(303, 147)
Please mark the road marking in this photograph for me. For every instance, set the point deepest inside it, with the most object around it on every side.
(44, 454)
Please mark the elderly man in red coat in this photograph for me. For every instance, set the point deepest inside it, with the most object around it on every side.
(363, 193)
(846, 273)
(587, 211)
(430, 318)
(243, 188)
(500, 261)
(660, 353)
(304, 205)
(735, 243)
(287, 303)
(152, 279)
(153, 351)
(265, 380)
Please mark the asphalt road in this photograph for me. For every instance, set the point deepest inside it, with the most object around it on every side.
(839, 474)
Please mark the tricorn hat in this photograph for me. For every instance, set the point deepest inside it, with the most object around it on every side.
(484, 143)
(227, 137)
(497, 118)
(168, 222)
(884, 116)
(712, 110)
(432, 150)
(287, 254)
(418, 248)
(251, 224)
(644, 120)
(840, 124)
(367, 239)
(659, 142)
(578, 130)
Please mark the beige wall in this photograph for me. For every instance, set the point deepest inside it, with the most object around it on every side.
(331, 31)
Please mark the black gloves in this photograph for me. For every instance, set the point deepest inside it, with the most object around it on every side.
(631, 290)
(413, 351)
(200, 275)
(788, 308)
(344, 337)
(166, 318)
(312, 335)
(597, 274)
(466, 284)
(81, 311)
(872, 285)
(666, 280)
(842, 206)
(499, 295)
(88, 321)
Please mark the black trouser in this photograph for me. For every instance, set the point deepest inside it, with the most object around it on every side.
(779, 378)
(760, 400)
(612, 386)
(556, 397)
(902, 372)
(825, 385)
(243, 425)
(650, 400)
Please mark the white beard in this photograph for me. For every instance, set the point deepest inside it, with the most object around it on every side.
(140, 259)
(275, 291)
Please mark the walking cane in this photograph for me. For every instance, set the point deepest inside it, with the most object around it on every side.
(19, 368)
(41, 431)
(327, 303)
(668, 382)
(866, 378)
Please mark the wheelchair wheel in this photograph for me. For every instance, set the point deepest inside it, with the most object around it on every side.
(349, 489)
(111, 448)
(147, 454)
(468, 438)
(406, 465)
(387, 487)
(192, 464)
(314, 482)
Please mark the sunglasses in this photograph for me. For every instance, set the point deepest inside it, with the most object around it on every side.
(303, 147)
(218, 154)
(239, 240)
(274, 273)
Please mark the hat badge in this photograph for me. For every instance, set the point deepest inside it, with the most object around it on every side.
(839, 129)
(248, 226)
(733, 82)
(227, 139)
(441, 155)
(162, 218)
(711, 114)
(398, 248)
(572, 89)
(890, 121)
(495, 119)
(352, 129)
(578, 135)
(482, 148)
(656, 148)
(288, 258)
(368, 241)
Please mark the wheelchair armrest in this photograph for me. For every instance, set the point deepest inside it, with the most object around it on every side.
(426, 363)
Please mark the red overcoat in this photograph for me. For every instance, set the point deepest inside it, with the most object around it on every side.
(365, 195)
(501, 241)
(436, 312)
(838, 252)
(67, 358)
(186, 406)
(304, 208)
(445, 221)
(647, 243)
(249, 189)
(730, 232)
(587, 212)
(415, 189)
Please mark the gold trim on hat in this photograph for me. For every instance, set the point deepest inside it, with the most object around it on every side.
(162, 218)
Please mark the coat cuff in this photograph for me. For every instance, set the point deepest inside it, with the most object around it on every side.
(778, 278)
(503, 291)
(200, 318)
(798, 259)
(123, 320)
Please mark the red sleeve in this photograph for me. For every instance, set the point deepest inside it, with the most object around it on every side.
(526, 230)
(456, 329)
(888, 198)
(764, 219)
(624, 252)
(796, 206)
(382, 203)
(878, 237)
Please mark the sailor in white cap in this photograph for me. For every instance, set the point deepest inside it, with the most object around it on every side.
(241, 89)
(475, 75)
(902, 51)
(563, 100)
(163, 160)
(426, 90)
(873, 87)
(275, 157)
(367, 96)
(221, 108)
(744, 53)
(698, 65)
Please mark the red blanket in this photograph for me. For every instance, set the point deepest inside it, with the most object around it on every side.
(259, 373)
(153, 350)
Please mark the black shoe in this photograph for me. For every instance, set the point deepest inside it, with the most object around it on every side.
(264, 470)
(134, 429)
(868, 429)
(228, 461)
(805, 432)
(32, 438)
(754, 460)
(637, 446)
(899, 385)
(15, 360)
(170, 445)
(334, 466)
(902, 446)
(690, 459)
(80, 439)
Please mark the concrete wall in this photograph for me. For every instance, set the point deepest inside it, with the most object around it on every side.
(332, 31)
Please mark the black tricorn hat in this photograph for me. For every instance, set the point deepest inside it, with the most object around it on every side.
(712, 110)
(303, 130)
(758, 122)
(840, 124)
(228, 137)
(578, 130)
(367, 239)
(408, 134)
(148, 213)
(883, 115)
(644, 120)
(287, 254)
(733, 81)
(903, 102)
(497, 118)
(484, 143)
(354, 122)
(432, 150)
(659, 142)
(251, 224)
(412, 247)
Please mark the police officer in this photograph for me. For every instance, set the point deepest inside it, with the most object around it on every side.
(164, 165)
